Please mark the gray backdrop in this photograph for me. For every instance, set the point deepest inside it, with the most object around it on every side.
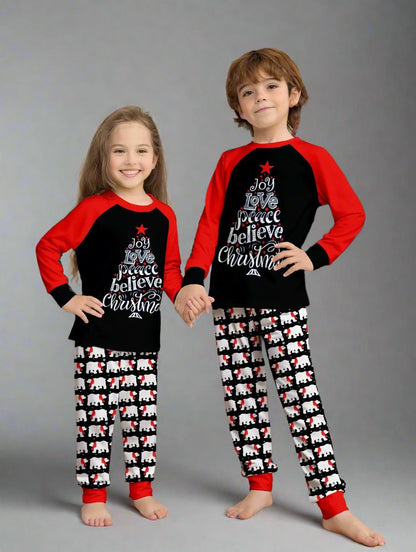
(66, 65)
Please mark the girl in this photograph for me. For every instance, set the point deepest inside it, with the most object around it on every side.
(125, 248)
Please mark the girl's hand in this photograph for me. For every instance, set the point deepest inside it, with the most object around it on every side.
(191, 301)
(81, 304)
(292, 256)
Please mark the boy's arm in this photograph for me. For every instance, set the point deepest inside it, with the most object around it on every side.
(348, 213)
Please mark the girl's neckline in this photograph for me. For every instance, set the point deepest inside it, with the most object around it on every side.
(128, 205)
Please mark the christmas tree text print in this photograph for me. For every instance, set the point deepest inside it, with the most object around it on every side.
(253, 237)
(137, 285)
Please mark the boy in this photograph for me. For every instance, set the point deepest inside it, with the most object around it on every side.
(259, 208)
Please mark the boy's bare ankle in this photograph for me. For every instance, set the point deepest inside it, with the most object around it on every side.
(350, 526)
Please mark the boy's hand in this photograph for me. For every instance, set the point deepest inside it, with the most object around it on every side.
(292, 256)
(191, 301)
(81, 304)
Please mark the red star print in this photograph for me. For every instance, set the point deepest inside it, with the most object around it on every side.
(141, 229)
(266, 168)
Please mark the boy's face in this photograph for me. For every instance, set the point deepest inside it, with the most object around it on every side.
(265, 104)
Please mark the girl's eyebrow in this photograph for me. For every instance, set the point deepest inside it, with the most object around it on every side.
(123, 146)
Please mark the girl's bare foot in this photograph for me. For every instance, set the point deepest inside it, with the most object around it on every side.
(150, 508)
(250, 505)
(96, 514)
(350, 526)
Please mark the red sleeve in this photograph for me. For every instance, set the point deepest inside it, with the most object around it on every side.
(348, 213)
(65, 235)
(206, 237)
(172, 277)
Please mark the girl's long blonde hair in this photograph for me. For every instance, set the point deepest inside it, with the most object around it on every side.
(94, 176)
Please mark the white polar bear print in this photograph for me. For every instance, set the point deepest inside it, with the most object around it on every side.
(148, 426)
(127, 396)
(226, 375)
(326, 466)
(96, 431)
(82, 447)
(79, 384)
(311, 406)
(275, 352)
(148, 410)
(94, 368)
(81, 416)
(95, 400)
(99, 415)
(113, 399)
(247, 404)
(98, 463)
(219, 314)
(98, 447)
(229, 405)
(128, 381)
(252, 434)
(294, 347)
(247, 419)
(239, 343)
(129, 411)
(243, 373)
(243, 389)
(149, 380)
(249, 450)
(131, 442)
(236, 329)
(147, 395)
(274, 337)
(294, 331)
(319, 437)
(145, 364)
(303, 377)
(283, 366)
(316, 421)
(130, 457)
(302, 361)
(287, 318)
(148, 441)
(224, 359)
(96, 383)
(332, 480)
(325, 450)
(222, 344)
(149, 456)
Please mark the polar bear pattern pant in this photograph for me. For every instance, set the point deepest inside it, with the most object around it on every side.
(238, 336)
(107, 380)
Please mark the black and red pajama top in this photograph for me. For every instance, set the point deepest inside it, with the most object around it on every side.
(260, 195)
(127, 256)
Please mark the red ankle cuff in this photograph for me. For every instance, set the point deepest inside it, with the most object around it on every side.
(94, 495)
(332, 505)
(140, 489)
(261, 482)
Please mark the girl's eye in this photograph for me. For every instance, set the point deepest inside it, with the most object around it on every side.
(118, 151)
(142, 151)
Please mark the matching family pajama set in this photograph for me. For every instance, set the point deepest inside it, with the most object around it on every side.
(127, 255)
(260, 195)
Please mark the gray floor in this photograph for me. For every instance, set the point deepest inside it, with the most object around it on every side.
(40, 507)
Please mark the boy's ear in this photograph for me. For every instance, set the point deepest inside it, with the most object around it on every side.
(294, 97)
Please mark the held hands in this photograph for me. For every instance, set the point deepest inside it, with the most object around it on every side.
(292, 256)
(81, 304)
(191, 301)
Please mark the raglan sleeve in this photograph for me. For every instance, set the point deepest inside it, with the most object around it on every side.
(347, 211)
(65, 235)
(172, 278)
(206, 237)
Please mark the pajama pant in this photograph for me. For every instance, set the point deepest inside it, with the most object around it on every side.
(107, 380)
(238, 336)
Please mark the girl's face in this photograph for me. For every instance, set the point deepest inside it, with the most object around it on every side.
(131, 158)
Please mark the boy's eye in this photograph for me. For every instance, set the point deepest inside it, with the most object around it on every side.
(246, 93)
(272, 85)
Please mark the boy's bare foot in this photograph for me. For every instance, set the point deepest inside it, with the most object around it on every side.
(250, 505)
(150, 508)
(96, 514)
(350, 526)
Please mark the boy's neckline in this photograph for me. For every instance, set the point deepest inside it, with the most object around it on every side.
(278, 143)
